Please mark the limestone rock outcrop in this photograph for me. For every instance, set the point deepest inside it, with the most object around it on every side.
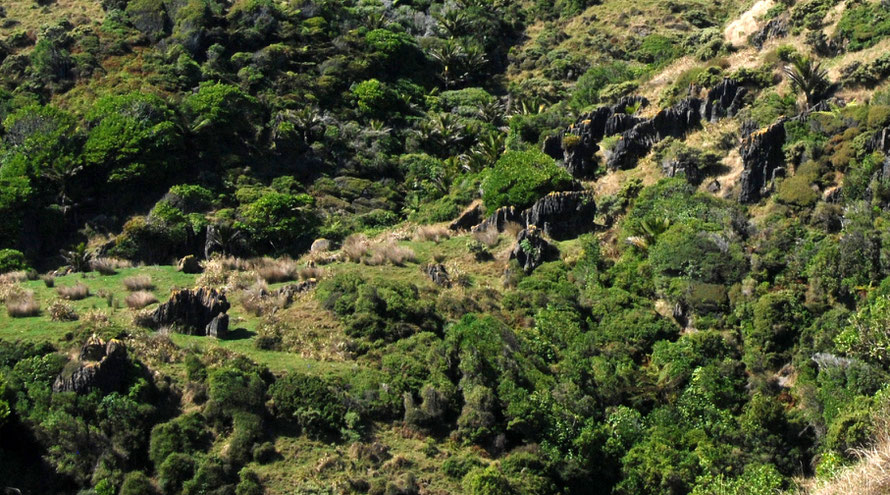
(560, 215)
(763, 158)
(723, 100)
(576, 147)
(532, 250)
(195, 312)
(100, 365)
(437, 273)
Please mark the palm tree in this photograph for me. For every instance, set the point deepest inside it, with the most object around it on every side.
(648, 233)
(809, 77)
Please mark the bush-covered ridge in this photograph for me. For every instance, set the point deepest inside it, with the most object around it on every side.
(371, 185)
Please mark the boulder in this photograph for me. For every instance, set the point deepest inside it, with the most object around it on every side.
(320, 246)
(471, 217)
(713, 186)
(437, 273)
(189, 264)
(531, 249)
(99, 366)
(553, 146)
(762, 155)
(194, 312)
(562, 215)
(218, 326)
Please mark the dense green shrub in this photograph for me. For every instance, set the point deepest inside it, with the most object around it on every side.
(589, 86)
(280, 223)
(137, 483)
(132, 138)
(864, 25)
(519, 178)
(185, 434)
(12, 260)
(309, 401)
(385, 310)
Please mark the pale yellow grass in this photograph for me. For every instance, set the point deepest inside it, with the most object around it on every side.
(869, 476)
(30, 16)
(737, 31)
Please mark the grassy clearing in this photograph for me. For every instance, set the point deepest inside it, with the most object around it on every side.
(28, 16)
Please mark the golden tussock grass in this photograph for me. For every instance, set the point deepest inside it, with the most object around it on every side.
(74, 292)
(275, 271)
(869, 476)
(140, 299)
(138, 282)
(22, 305)
(488, 237)
(434, 233)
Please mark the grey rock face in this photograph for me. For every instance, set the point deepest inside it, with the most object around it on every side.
(532, 250)
(100, 366)
(195, 312)
(762, 156)
(438, 274)
(561, 215)
(468, 219)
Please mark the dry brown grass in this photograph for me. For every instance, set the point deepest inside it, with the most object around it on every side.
(22, 305)
(275, 271)
(737, 31)
(61, 311)
(311, 272)
(232, 263)
(9, 291)
(49, 280)
(96, 318)
(488, 237)
(434, 233)
(13, 277)
(104, 266)
(215, 274)
(138, 282)
(143, 318)
(140, 299)
(258, 300)
(389, 252)
(74, 292)
(355, 247)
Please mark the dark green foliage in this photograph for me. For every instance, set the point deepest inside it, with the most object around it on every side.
(12, 260)
(590, 85)
(864, 25)
(308, 401)
(519, 178)
(137, 483)
(176, 469)
(233, 390)
(132, 139)
(386, 310)
(280, 222)
(185, 435)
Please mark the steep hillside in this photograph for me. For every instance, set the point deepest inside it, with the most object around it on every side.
(421, 247)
